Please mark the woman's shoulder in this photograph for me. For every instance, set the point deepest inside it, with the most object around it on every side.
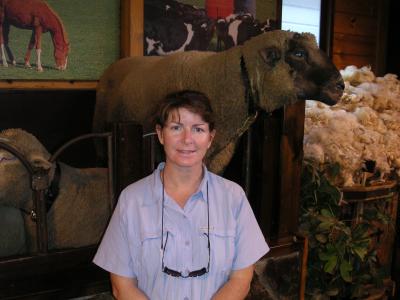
(225, 185)
(139, 190)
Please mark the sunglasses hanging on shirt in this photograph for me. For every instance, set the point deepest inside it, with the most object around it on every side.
(172, 272)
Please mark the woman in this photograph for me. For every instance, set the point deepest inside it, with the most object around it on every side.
(182, 232)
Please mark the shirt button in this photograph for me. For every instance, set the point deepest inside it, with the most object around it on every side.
(187, 243)
(186, 298)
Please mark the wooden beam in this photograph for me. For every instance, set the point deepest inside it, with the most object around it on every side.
(47, 85)
(132, 21)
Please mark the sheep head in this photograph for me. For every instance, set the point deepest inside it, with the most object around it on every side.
(284, 67)
(15, 183)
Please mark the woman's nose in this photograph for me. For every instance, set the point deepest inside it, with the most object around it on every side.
(187, 135)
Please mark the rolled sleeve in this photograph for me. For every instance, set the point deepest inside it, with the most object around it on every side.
(113, 254)
(250, 242)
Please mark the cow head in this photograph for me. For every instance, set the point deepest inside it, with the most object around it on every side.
(284, 67)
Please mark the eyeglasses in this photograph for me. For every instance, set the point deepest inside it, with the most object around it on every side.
(172, 272)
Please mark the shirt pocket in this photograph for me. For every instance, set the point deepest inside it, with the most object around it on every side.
(222, 244)
(149, 254)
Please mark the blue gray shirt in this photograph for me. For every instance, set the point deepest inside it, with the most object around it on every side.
(131, 246)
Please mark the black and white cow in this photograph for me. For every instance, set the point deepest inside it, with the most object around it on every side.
(171, 26)
(238, 28)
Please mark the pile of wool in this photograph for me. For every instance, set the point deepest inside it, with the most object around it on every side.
(363, 127)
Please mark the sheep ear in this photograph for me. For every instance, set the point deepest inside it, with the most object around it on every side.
(39, 162)
(270, 55)
(297, 36)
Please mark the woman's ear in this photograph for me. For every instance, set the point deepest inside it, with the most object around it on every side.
(212, 135)
(159, 134)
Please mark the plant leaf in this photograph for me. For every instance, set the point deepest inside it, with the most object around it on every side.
(321, 238)
(361, 252)
(330, 265)
(324, 226)
(326, 212)
(345, 270)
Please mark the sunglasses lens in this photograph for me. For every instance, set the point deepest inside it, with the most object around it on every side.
(172, 272)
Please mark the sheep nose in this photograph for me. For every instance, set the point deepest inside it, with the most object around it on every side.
(340, 85)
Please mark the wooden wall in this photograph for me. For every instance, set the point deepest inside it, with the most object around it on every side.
(359, 33)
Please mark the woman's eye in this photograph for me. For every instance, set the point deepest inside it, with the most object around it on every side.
(175, 127)
(198, 129)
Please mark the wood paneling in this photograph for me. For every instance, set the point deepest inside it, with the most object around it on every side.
(353, 44)
(359, 34)
(341, 61)
(358, 7)
(352, 24)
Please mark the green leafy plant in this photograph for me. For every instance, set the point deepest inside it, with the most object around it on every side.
(341, 260)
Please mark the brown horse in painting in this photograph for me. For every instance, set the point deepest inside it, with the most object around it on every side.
(37, 16)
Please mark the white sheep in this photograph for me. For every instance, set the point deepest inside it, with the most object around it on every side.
(81, 210)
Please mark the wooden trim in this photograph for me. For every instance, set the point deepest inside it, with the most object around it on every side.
(47, 85)
(132, 21)
(278, 16)
(131, 43)
(381, 37)
(326, 26)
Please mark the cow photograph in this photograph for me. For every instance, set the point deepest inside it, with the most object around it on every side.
(172, 26)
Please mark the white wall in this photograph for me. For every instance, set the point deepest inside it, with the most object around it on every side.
(301, 16)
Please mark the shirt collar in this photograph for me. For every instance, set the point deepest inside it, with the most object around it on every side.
(200, 194)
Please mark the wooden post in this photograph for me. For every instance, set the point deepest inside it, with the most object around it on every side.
(275, 189)
(128, 154)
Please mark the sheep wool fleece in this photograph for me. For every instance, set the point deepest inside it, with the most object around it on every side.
(131, 246)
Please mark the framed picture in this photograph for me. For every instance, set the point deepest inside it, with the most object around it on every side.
(180, 25)
(79, 40)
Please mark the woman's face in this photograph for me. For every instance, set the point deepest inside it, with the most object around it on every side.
(185, 137)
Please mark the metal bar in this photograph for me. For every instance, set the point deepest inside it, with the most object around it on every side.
(111, 182)
(73, 141)
(247, 161)
(41, 221)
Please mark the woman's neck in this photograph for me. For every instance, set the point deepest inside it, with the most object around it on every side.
(181, 183)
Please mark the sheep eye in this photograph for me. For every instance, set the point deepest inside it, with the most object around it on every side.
(300, 53)
(4, 158)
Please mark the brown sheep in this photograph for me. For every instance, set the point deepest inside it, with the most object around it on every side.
(81, 210)
(272, 69)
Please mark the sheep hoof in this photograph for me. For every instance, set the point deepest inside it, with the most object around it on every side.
(5, 64)
(39, 69)
(28, 65)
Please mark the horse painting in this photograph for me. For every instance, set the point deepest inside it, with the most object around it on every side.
(39, 17)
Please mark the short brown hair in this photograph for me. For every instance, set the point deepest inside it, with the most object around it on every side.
(195, 102)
